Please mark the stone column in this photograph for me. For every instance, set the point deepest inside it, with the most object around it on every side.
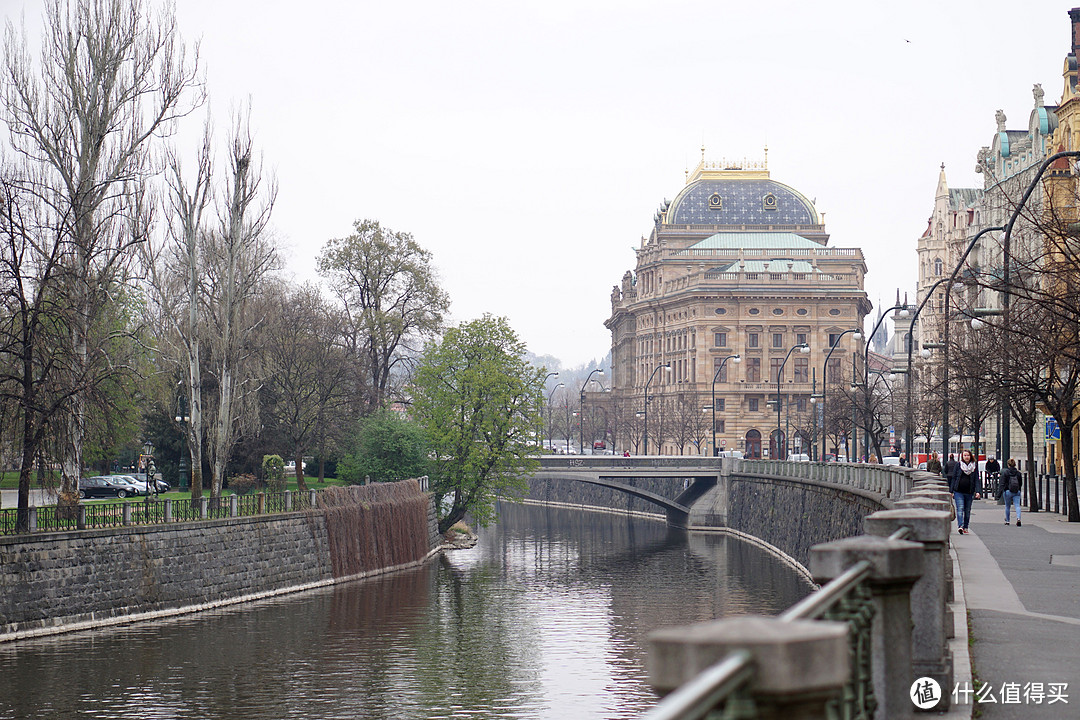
(234, 506)
(895, 565)
(800, 666)
(930, 656)
(125, 516)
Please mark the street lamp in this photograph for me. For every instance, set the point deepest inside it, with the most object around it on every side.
(581, 407)
(803, 348)
(736, 359)
(550, 427)
(667, 368)
(903, 313)
(945, 341)
(148, 454)
(183, 419)
(856, 336)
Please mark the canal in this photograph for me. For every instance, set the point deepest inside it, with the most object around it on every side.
(546, 617)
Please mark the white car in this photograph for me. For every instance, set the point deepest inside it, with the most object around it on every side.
(798, 457)
(890, 460)
(137, 486)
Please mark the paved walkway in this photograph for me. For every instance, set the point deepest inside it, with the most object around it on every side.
(1021, 586)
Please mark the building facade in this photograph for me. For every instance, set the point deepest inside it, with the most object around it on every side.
(737, 264)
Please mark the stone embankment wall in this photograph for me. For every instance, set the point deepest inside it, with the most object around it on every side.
(73, 580)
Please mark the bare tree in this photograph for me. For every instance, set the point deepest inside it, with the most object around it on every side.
(306, 367)
(112, 76)
(391, 297)
(239, 256)
(175, 270)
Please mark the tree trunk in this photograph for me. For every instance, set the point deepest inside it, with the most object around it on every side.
(301, 484)
(1069, 463)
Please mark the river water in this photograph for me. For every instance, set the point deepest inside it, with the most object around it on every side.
(546, 618)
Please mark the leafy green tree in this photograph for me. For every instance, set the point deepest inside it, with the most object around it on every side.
(273, 468)
(388, 448)
(477, 397)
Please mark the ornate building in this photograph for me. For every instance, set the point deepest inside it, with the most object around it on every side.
(736, 264)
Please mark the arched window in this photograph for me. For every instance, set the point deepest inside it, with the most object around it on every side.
(938, 266)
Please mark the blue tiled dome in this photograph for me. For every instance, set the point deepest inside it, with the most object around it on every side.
(741, 201)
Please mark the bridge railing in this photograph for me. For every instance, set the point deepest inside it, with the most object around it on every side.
(821, 658)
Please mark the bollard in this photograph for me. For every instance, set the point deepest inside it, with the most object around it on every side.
(932, 620)
(801, 666)
(895, 567)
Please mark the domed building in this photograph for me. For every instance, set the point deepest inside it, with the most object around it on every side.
(736, 264)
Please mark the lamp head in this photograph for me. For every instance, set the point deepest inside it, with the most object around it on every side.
(977, 324)
(804, 348)
(736, 359)
(924, 353)
(857, 335)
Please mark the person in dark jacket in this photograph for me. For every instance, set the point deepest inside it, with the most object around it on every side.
(990, 476)
(964, 484)
(1012, 482)
(950, 465)
(933, 464)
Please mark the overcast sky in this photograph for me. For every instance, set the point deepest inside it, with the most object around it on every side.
(528, 144)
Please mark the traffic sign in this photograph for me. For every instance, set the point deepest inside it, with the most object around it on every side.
(1053, 430)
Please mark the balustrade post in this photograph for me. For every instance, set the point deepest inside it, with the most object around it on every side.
(930, 656)
(311, 499)
(234, 506)
(204, 508)
(262, 503)
(895, 567)
(33, 518)
(168, 510)
(126, 514)
(801, 665)
(80, 517)
(288, 501)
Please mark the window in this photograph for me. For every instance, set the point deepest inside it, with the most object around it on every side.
(719, 427)
(752, 340)
(833, 370)
(800, 338)
(752, 404)
(720, 405)
(723, 371)
(778, 340)
(720, 339)
(753, 369)
(774, 369)
(802, 370)
(800, 404)
(834, 338)
(938, 266)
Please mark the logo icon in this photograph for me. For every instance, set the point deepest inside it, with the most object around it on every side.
(925, 693)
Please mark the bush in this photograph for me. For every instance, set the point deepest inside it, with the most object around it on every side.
(273, 468)
(243, 484)
(388, 448)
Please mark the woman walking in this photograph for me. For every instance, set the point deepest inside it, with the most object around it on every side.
(933, 464)
(1012, 482)
(964, 483)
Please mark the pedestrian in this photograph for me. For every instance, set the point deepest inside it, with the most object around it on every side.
(1012, 482)
(990, 479)
(950, 465)
(903, 459)
(964, 484)
(933, 464)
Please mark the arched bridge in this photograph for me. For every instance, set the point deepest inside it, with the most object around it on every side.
(699, 476)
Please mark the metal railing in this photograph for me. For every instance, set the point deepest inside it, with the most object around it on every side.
(146, 511)
(723, 687)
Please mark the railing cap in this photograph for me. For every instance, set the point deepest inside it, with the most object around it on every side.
(890, 560)
(791, 656)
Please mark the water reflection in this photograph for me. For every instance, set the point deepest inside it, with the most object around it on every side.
(545, 618)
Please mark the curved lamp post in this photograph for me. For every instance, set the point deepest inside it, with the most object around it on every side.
(716, 375)
(857, 335)
(908, 438)
(581, 409)
(667, 368)
(945, 341)
(803, 348)
(551, 395)
(888, 376)
(903, 312)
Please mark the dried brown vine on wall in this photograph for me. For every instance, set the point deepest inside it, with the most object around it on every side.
(375, 526)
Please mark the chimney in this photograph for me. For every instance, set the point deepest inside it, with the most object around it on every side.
(1074, 16)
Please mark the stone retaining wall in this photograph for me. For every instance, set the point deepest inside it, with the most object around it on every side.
(63, 581)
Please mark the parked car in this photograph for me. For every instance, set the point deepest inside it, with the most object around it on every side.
(798, 457)
(138, 487)
(599, 445)
(162, 486)
(891, 460)
(104, 486)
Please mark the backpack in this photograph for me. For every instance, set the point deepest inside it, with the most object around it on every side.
(1014, 482)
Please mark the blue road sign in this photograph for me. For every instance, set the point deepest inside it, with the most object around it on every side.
(1053, 431)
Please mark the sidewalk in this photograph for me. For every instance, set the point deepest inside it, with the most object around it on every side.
(1022, 590)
